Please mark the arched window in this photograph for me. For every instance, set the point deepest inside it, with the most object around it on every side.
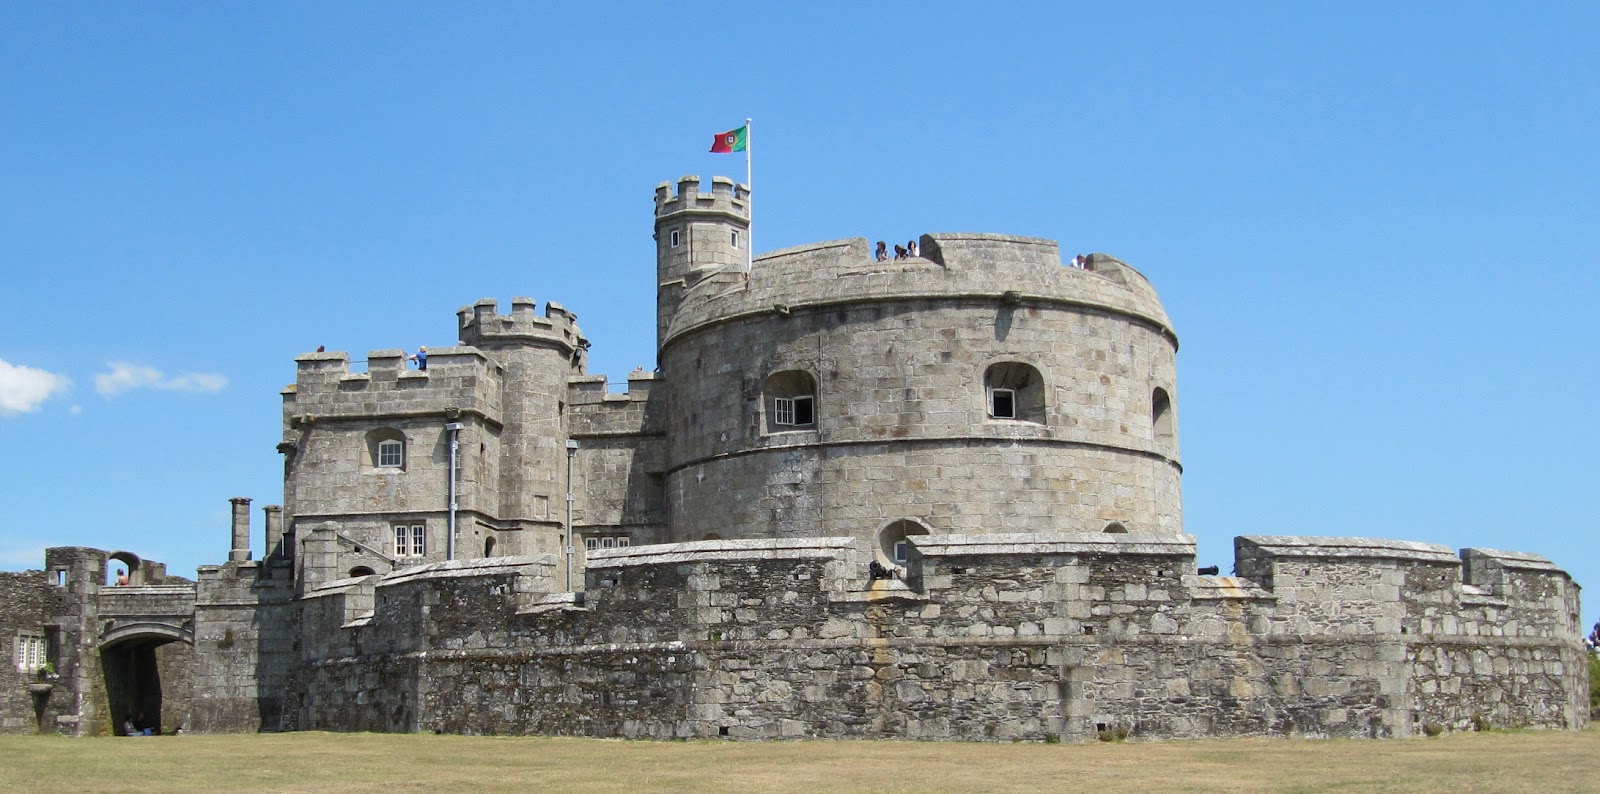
(894, 541)
(1116, 528)
(488, 546)
(386, 448)
(1161, 415)
(1014, 390)
(361, 570)
(791, 401)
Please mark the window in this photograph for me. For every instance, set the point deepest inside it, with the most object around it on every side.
(675, 238)
(793, 397)
(894, 541)
(33, 652)
(736, 238)
(410, 540)
(386, 448)
(61, 577)
(1003, 403)
(1014, 390)
(792, 411)
(594, 542)
(1161, 416)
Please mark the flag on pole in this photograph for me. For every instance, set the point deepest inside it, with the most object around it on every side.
(731, 141)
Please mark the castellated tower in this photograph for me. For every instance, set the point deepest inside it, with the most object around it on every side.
(368, 481)
(698, 235)
(982, 387)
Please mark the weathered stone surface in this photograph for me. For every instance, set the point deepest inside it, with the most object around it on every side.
(929, 498)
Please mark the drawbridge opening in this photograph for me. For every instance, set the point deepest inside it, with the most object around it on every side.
(148, 683)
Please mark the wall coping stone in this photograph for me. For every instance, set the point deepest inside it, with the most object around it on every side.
(722, 551)
(1128, 543)
(1368, 548)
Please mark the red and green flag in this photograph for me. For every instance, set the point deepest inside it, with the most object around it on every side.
(731, 141)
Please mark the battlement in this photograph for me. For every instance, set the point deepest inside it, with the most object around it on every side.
(725, 198)
(596, 389)
(480, 324)
(458, 380)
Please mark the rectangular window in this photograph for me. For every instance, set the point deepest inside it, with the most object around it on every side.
(32, 652)
(391, 454)
(61, 578)
(675, 238)
(736, 239)
(1003, 403)
(410, 541)
(900, 552)
(792, 411)
(597, 542)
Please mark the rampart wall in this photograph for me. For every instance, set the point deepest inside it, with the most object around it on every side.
(1022, 636)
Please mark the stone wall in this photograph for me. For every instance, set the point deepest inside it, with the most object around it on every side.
(247, 647)
(990, 637)
(24, 696)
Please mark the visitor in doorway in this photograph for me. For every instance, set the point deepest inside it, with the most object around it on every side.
(127, 727)
(122, 578)
(421, 357)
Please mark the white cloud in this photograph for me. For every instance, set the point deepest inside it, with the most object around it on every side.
(124, 376)
(22, 389)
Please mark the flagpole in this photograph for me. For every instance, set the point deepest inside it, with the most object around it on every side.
(749, 205)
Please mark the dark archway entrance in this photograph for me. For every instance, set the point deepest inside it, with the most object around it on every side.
(149, 681)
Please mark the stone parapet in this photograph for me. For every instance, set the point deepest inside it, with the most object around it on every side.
(984, 267)
(482, 325)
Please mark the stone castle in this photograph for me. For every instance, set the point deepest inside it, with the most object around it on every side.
(928, 498)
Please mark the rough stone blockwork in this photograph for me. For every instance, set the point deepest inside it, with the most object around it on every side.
(935, 496)
(1034, 637)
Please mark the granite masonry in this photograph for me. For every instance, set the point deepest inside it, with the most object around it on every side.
(935, 497)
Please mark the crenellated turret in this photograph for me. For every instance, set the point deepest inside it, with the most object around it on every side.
(697, 234)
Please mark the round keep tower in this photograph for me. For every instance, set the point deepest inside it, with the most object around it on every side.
(981, 387)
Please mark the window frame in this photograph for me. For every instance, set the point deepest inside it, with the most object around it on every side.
(32, 651)
(399, 449)
(599, 542)
(789, 411)
(1011, 401)
(410, 541)
(674, 238)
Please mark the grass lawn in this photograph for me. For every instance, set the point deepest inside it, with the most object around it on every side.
(1531, 761)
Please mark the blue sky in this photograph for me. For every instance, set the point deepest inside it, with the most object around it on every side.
(1374, 228)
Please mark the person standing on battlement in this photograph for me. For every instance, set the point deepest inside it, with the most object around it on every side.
(421, 357)
(882, 254)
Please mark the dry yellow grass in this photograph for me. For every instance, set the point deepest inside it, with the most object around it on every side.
(1540, 761)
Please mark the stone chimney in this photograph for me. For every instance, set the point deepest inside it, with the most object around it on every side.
(241, 529)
